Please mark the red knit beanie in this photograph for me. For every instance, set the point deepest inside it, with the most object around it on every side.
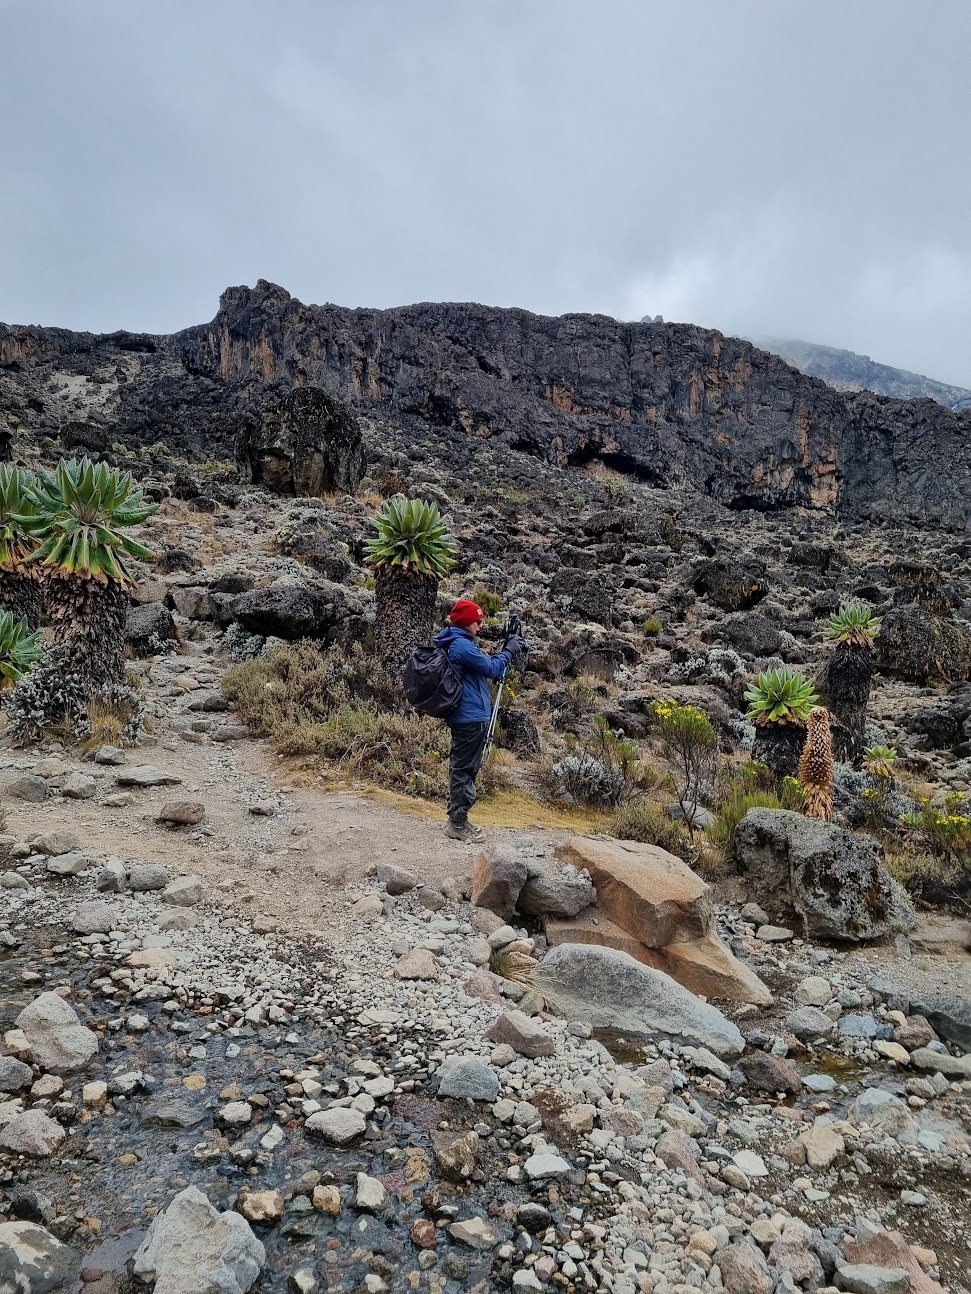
(466, 613)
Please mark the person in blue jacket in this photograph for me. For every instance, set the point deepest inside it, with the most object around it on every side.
(469, 721)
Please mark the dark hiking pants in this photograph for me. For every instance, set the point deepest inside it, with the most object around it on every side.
(464, 762)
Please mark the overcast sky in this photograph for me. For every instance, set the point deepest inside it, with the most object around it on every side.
(792, 168)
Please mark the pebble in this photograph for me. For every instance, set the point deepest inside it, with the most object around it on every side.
(339, 1126)
(541, 1166)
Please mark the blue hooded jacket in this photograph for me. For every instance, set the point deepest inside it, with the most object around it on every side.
(475, 669)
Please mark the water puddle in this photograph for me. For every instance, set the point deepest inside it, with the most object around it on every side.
(624, 1049)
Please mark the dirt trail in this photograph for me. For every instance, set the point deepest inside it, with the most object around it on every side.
(291, 867)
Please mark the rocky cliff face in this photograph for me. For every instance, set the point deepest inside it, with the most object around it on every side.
(668, 404)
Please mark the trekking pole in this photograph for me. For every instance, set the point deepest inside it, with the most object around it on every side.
(512, 627)
(494, 717)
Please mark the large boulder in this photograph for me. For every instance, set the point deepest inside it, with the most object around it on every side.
(610, 990)
(57, 1039)
(917, 645)
(705, 965)
(31, 1133)
(192, 1248)
(650, 893)
(833, 880)
(308, 445)
(652, 906)
(292, 611)
(751, 635)
(732, 584)
(150, 630)
(34, 1261)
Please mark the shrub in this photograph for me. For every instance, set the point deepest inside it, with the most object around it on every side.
(311, 701)
(639, 820)
(113, 717)
(490, 602)
(740, 797)
(652, 626)
(945, 831)
(587, 780)
(301, 520)
(51, 702)
(401, 752)
(601, 770)
(616, 491)
(298, 683)
(912, 868)
(689, 745)
(935, 860)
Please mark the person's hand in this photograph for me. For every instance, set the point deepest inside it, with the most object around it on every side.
(515, 645)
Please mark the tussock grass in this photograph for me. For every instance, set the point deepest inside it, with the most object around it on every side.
(312, 702)
(730, 813)
(650, 825)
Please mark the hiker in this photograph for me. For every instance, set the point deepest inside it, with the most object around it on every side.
(469, 721)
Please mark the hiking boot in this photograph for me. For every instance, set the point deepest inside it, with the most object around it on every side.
(468, 834)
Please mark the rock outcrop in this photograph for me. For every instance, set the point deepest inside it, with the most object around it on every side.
(919, 646)
(664, 403)
(831, 879)
(309, 444)
(653, 907)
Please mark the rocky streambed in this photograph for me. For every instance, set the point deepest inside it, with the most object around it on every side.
(390, 1114)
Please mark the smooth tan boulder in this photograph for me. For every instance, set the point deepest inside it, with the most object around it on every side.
(592, 926)
(709, 967)
(645, 890)
(703, 965)
(498, 876)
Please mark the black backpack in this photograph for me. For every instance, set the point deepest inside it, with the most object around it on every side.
(431, 683)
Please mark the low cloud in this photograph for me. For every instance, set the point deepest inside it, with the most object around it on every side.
(766, 168)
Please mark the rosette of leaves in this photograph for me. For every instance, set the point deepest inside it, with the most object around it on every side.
(848, 675)
(878, 763)
(81, 518)
(410, 552)
(20, 649)
(20, 588)
(780, 702)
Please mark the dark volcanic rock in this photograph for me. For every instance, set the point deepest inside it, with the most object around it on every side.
(291, 610)
(665, 403)
(918, 645)
(731, 585)
(832, 880)
(149, 629)
(309, 444)
(752, 635)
